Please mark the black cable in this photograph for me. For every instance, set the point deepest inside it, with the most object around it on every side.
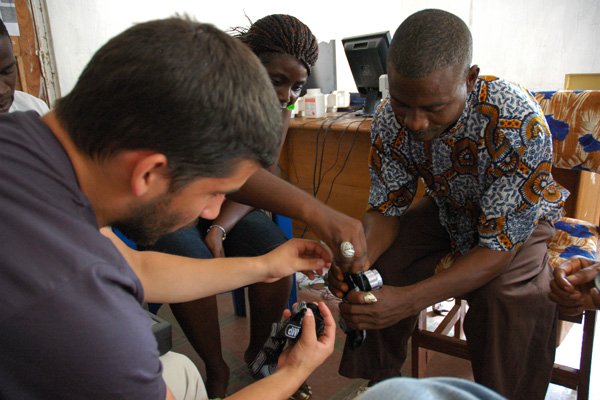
(317, 183)
(347, 158)
(316, 186)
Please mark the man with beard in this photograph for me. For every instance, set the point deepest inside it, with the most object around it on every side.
(482, 147)
(149, 139)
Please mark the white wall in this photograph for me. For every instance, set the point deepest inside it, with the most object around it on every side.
(533, 42)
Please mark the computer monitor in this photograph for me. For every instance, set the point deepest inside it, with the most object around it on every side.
(367, 56)
(323, 75)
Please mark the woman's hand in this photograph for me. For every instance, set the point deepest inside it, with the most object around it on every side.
(214, 242)
(334, 227)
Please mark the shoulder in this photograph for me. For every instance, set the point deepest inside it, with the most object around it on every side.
(26, 102)
(507, 97)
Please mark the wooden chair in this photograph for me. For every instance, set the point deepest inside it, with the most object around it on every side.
(574, 120)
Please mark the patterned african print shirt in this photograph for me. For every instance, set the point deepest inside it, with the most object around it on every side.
(489, 173)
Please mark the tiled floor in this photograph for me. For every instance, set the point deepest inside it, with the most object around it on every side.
(325, 381)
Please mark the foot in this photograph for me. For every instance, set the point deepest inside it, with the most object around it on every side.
(217, 380)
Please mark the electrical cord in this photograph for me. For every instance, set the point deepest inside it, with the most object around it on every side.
(318, 174)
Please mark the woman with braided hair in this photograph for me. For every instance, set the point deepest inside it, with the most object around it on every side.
(288, 50)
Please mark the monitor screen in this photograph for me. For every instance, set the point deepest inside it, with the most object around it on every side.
(323, 75)
(367, 56)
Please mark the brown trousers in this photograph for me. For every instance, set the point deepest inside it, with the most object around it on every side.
(510, 326)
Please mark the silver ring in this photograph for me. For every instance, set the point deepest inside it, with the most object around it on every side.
(347, 249)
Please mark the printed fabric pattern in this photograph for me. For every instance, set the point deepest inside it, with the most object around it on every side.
(489, 173)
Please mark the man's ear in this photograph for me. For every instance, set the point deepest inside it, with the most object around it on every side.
(149, 175)
(472, 78)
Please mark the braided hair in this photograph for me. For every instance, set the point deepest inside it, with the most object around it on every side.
(280, 33)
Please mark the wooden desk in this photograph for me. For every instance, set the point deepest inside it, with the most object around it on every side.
(329, 157)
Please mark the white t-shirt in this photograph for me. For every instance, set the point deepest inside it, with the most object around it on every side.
(26, 102)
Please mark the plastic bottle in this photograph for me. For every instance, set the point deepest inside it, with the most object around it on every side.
(314, 104)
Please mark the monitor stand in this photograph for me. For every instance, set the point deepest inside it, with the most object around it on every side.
(373, 99)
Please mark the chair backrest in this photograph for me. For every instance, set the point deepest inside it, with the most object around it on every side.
(574, 120)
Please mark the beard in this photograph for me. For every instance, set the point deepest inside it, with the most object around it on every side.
(148, 222)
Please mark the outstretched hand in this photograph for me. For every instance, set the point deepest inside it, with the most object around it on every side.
(297, 255)
(572, 288)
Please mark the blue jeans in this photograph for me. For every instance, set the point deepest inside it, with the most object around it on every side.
(256, 234)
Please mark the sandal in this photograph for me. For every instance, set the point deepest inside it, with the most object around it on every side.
(304, 392)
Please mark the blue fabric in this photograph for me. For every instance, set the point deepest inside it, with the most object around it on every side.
(576, 251)
(589, 143)
(254, 235)
(576, 230)
(559, 129)
(439, 388)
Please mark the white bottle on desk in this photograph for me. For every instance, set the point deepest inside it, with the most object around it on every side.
(314, 104)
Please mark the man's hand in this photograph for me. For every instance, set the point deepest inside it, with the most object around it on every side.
(309, 351)
(572, 288)
(296, 255)
(393, 304)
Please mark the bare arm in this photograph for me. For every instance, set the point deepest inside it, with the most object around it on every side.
(231, 213)
(381, 232)
(264, 190)
(168, 278)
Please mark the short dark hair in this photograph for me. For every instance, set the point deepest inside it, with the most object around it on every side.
(281, 33)
(179, 87)
(429, 40)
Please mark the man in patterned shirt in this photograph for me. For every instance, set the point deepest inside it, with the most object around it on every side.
(482, 147)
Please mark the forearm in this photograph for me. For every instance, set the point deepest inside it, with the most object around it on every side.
(467, 273)
(265, 190)
(332, 227)
(231, 213)
(169, 278)
(381, 232)
(187, 279)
